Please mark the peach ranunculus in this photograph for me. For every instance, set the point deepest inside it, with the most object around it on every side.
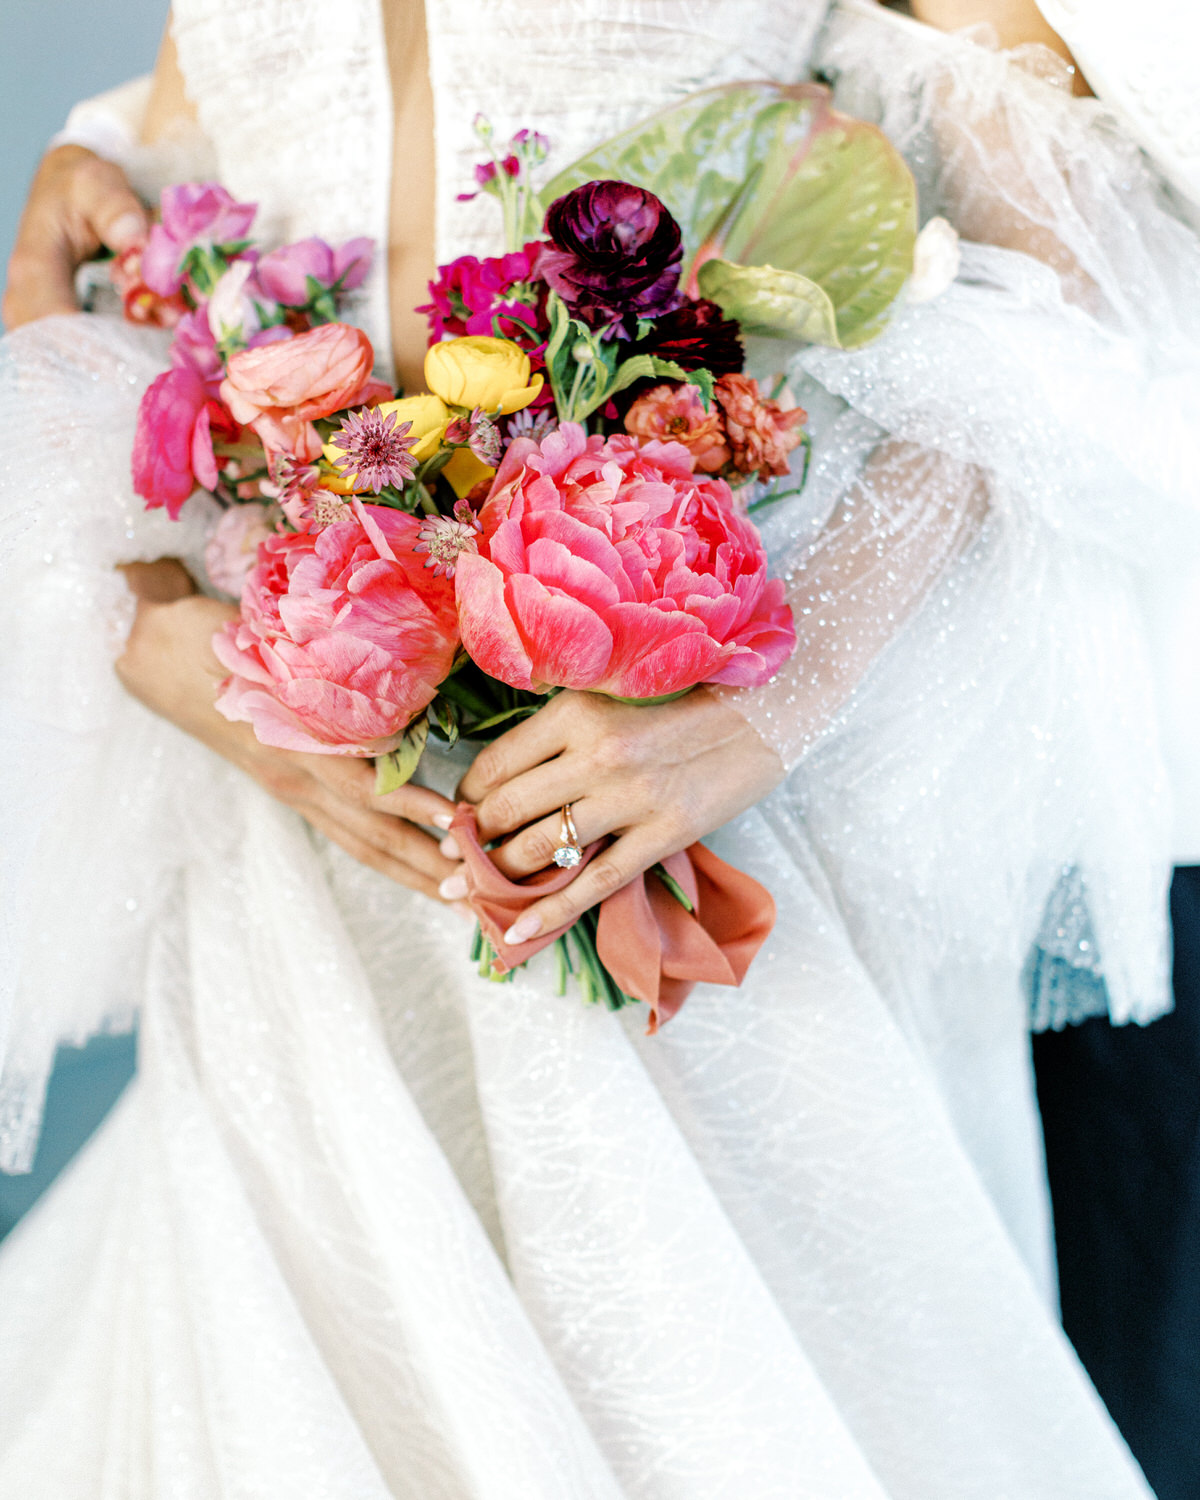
(605, 564)
(760, 432)
(344, 636)
(281, 389)
(675, 413)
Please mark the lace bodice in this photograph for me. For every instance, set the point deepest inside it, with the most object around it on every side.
(313, 148)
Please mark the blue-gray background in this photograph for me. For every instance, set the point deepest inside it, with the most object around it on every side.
(53, 52)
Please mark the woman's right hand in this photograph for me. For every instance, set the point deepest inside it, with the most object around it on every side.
(77, 204)
(169, 665)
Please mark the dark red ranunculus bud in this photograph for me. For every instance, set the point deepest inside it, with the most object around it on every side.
(697, 336)
(614, 255)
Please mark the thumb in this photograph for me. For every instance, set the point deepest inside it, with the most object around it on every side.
(127, 225)
(110, 207)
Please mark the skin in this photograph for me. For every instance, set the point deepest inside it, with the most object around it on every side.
(656, 779)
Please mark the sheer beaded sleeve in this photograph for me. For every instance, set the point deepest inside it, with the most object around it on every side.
(909, 514)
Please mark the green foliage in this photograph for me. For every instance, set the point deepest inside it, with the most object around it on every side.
(396, 769)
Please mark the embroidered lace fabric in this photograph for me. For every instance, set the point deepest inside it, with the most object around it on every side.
(367, 1226)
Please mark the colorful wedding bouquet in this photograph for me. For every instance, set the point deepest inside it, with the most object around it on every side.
(567, 505)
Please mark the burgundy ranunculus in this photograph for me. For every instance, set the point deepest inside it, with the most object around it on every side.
(614, 255)
(697, 336)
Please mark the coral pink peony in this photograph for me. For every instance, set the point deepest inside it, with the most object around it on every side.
(280, 389)
(605, 564)
(676, 413)
(760, 432)
(172, 446)
(344, 637)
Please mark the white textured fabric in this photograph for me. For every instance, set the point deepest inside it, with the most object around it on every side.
(368, 1226)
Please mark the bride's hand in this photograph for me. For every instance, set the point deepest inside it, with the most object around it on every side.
(657, 778)
(168, 664)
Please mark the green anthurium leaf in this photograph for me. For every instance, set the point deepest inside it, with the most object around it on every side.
(396, 769)
(765, 175)
(766, 300)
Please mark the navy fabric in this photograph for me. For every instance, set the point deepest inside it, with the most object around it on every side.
(1121, 1107)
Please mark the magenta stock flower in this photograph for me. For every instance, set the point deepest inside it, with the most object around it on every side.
(606, 565)
(343, 638)
(193, 215)
(284, 274)
(614, 255)
(173, 442)
(376, 450)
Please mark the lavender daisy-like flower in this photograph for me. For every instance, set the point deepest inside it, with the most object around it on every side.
(375, 450)
(532, 424)
(445, 537)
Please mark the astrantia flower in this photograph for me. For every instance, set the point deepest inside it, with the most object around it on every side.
(696, 336)
(446, 538)
(377, 450)
(479, 433)
(614, 255)
(292, 479)
(323, 508)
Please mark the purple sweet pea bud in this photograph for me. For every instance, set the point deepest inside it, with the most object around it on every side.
(352, 262)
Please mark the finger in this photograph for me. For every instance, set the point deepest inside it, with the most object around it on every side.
(393, 837)
(533, 796)
(533, 848)
(610, 871)
(367, 854)
(41, 278)
(353, 779)
(534, 740)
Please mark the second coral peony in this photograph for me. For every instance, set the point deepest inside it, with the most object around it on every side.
(344, 637)
(605, 564)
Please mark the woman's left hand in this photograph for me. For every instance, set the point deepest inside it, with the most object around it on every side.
(656, 778)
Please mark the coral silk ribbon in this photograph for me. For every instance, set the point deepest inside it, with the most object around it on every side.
(652, 946)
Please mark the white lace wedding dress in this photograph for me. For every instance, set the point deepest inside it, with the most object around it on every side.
(366, 1226)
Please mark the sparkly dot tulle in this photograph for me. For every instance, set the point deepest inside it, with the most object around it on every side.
(367, 1226)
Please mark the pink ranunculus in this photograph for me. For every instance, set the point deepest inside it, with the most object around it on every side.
(232, 549)
(675, 413)
(173, 444)
(281, 389)
(344, 637)
(194, 348)
(284, 273)
(606, 564)
(193, 214)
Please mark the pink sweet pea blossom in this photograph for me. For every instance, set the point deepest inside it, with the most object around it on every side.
(607, 565)
(284, 273)
(173, 443)
(194, 348)
(193, 214)
(344, 637)
(281, 389)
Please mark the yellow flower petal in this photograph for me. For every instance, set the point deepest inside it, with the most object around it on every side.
(464, 471)
(513, 401)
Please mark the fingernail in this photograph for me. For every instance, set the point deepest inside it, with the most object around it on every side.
(464, 911)
(453, 888)
(450, 849)
(523, 928)
(125, 231)
(443, 820)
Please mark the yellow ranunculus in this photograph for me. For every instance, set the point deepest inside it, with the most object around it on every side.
(464, 471)
(429, 419)
(481, 371)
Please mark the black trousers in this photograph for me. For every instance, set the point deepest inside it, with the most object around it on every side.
(1121, 1106)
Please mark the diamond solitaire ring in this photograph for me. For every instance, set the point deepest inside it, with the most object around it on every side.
(568, 854)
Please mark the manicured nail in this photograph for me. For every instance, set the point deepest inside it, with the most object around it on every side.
(453, 888)
(523, 928)
(126, 231)
(450, 849)
(443, 820)
(464, 911)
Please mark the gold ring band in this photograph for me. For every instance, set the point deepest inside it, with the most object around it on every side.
(568, 854)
